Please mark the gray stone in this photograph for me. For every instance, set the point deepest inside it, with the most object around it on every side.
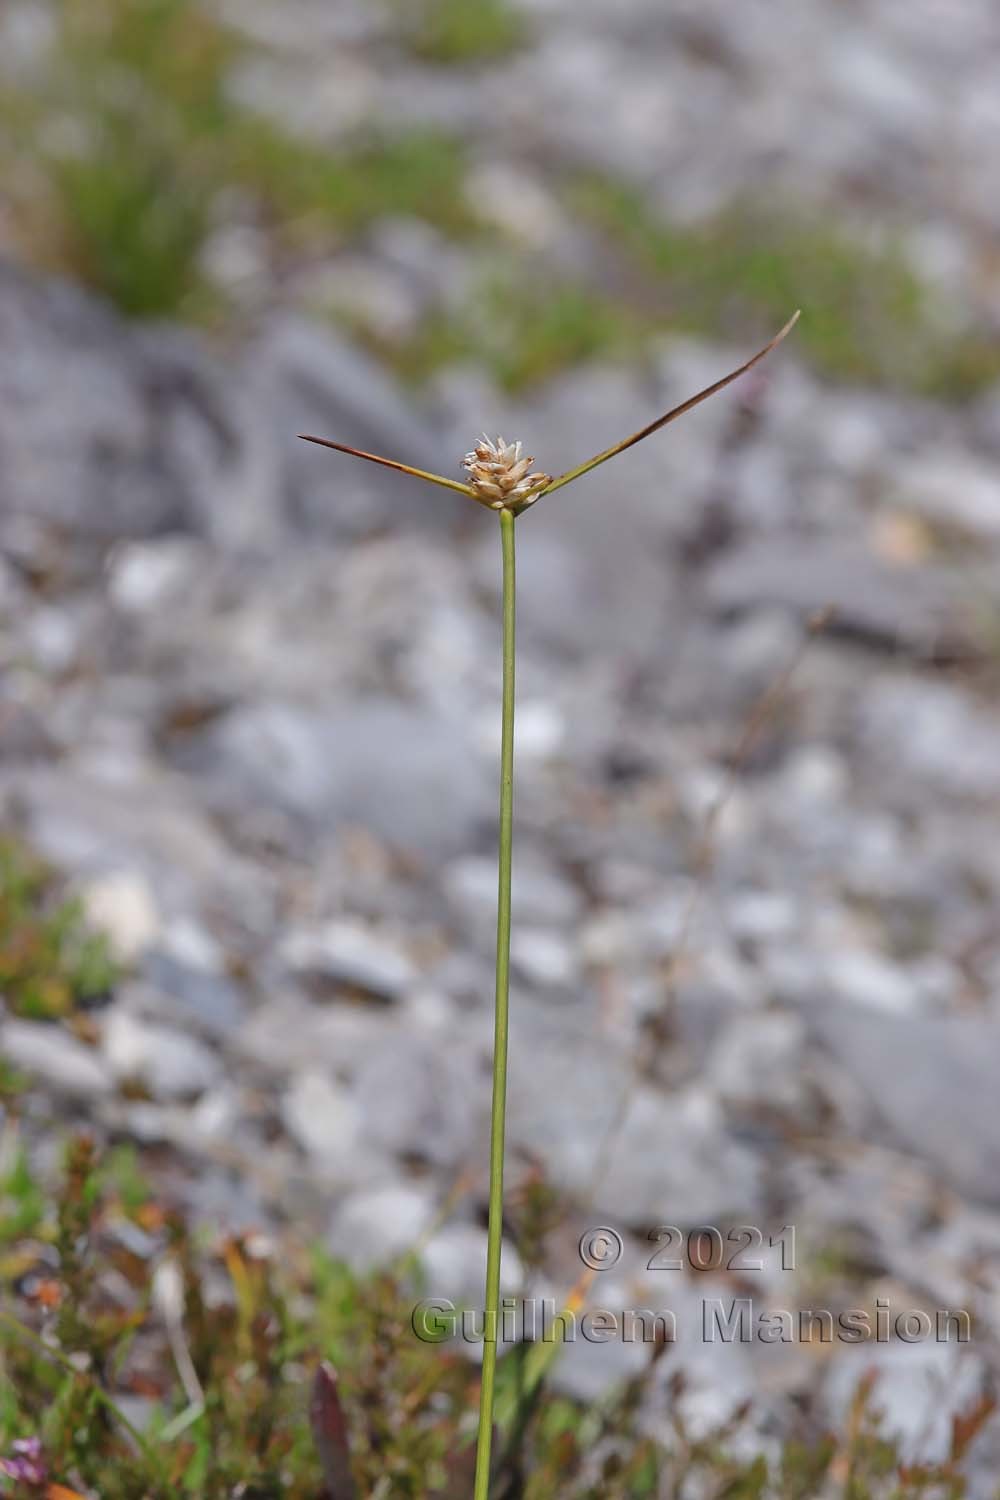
(540, 893)
(934, 731)
(763, 916)
(350, 954)
(375, 1226)
(375, 295)
(88, 818)
(906, 1065)
(539, 731)
(814, 776)
(952, 490)
(862, 977)
(546, 959)
(920, 1388)
(672, 1160)
(171, 1064)
(56, 1058)
(288, 1034)
(761, 645)
(113, 432)
(321, 1115)
(193, 994)
(424, 1097)
(590, 1371)
(564, 1095)
(207, 1126)
(152, 575)
(76, 449)
(407, 775)
(313, 382)
(716, 1379)
(757, 1062)
(52, 638)
(453, 1262)
(122, 906)
(635, 1153)
(868, 597)
(221, 1202)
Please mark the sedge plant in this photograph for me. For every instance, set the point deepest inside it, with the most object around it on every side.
(502, 479)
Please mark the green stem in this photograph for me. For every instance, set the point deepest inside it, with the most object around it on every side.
(498, 1119)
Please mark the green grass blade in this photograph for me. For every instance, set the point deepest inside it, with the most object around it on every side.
(58, 1357)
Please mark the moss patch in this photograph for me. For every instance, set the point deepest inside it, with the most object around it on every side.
(456, 32)
(304, 191)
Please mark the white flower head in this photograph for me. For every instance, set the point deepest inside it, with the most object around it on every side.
(501, 476)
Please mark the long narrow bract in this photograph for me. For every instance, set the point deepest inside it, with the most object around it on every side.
(670, 416)
(392, 463)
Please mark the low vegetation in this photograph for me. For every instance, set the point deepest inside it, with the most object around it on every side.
(128, 150)
(454, 32)
(869, 318)
(50, 961)
(137, 1360)
(524, 330)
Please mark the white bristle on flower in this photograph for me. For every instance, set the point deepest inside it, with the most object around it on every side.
(500, 474)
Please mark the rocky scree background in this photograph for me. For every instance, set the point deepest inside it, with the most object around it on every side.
(250, 706)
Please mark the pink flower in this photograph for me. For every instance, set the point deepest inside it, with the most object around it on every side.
(27, 1463)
